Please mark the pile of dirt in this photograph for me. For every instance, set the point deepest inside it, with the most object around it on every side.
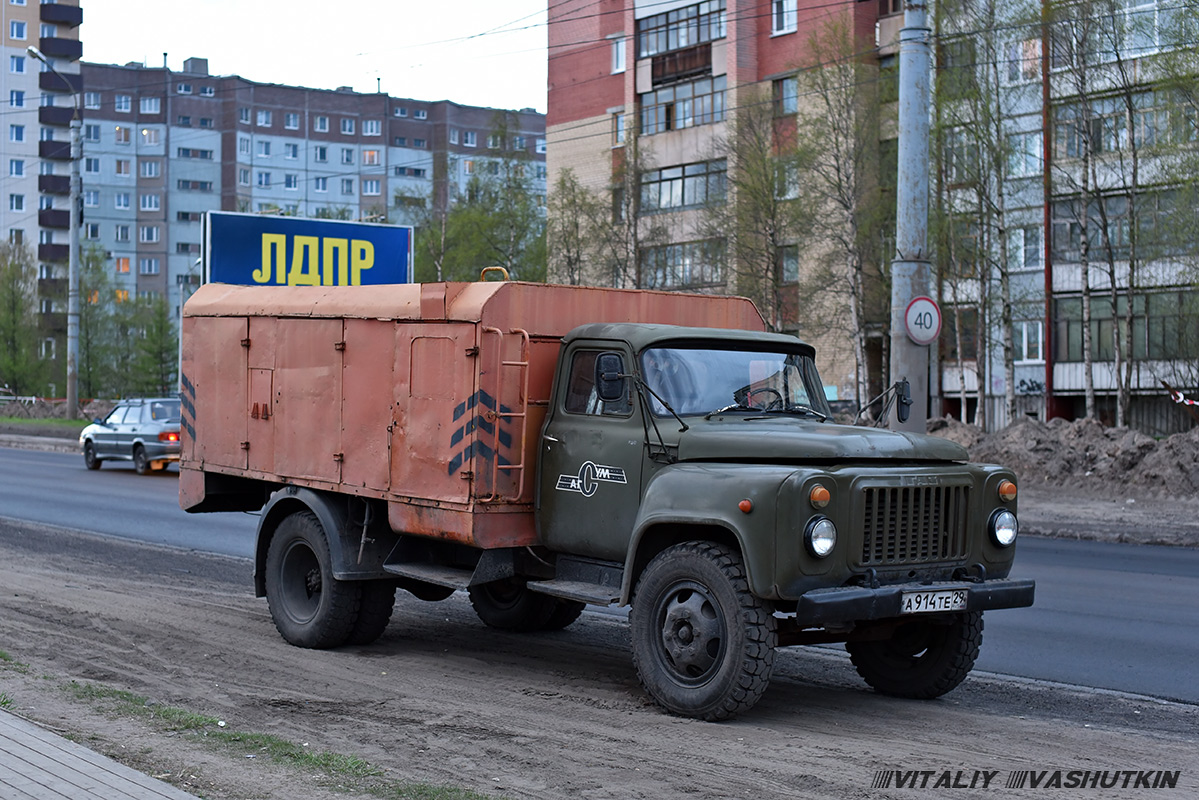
(1084, 453)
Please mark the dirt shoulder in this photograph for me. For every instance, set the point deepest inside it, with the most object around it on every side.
(443, 700)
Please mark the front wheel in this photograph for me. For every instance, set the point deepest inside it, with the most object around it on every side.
(703, 644)
(89, 456)
(310, 607)
(923, 659)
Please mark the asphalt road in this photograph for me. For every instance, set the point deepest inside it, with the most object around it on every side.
(1109, 616)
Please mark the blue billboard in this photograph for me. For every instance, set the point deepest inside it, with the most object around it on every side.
(256, 250)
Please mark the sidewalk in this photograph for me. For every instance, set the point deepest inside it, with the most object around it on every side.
(44, 443)
(38, 765)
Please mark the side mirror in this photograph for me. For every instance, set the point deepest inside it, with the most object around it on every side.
(903, 408)
(609, 382)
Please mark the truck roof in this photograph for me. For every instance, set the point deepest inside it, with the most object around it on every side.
(642, 335)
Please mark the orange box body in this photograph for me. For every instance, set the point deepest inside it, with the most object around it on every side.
(428, 396)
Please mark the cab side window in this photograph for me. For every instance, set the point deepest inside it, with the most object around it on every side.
(581, 394)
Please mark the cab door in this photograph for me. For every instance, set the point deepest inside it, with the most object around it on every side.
(590, 460)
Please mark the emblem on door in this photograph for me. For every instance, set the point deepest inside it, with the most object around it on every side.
(590, 476)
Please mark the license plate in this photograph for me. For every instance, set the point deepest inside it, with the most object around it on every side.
(929, 602)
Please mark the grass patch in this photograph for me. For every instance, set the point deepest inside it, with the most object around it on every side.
(66, 425)
(8, 662)
(5, 700)
(341, 772)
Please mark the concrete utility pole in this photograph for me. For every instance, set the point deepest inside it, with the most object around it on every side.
(73, 240)
(911, 269)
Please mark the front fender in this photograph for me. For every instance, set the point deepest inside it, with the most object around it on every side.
(682, 498)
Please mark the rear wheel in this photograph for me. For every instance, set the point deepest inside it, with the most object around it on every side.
(703, 644)
(565, 612)
(89, 456)
(140, 463)
(310, 607)
(374, 611)
(511, 605)
(923, 659)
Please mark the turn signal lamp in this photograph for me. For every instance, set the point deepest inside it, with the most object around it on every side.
(819, 496)
(1007, 491)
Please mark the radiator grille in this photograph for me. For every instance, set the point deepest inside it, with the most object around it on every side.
(914, 524)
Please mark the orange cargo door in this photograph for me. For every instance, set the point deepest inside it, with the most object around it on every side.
(260, 403)
(214, 389)
(433, 436)
(307, 382)
(366, 404)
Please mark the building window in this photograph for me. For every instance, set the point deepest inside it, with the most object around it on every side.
(264, 119)
(192, 152)
(540, 147)
(347, 185)
(16, 133)
(683, 265)
(264, 148)
(420, 113)
(16, 236)
(91, 198)
(147, 234)
(370, 158)
(194, 185)
(371, 186)
(1024, 154)
(122, 103)
(121, 135)
(783, 16)
(347, 155)
(320, 124)
(207, 91)
(16, 202)
(291, 121)
(786, 96)
(372, 127)
(150, 136)
(684, 27)
(147, 266)
(683, 105)
(91, 231)
(183, 88)
(187, 248)
(91, 100)
(518, 143)
(1023, 61)
(619, 46)
(121, 234)
(494, 142)
(469, 139)
(243, 115)
(243, 176)
(16, 99)
(1030, 337)
(151, 105)
(291, 181)
(264, 179)
(401, 141)
(788, 263)
(184, 121)
(122, 295)
(320, 184)
(16, 65)
(1024, 249)
(205, 122)
(243, 145)
(400, 111)
(151, 169)
(120, 200)
(291, 150)
(468, 167)
(123, 168)
(91, 133)
(320, 153)
(453, 136)
(122, 265)
(16, 29)
(347, 126)
(16, 167)
(684, 186)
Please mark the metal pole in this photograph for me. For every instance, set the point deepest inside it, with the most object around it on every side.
(911, 269)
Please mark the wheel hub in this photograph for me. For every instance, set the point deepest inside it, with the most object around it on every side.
(692, 633)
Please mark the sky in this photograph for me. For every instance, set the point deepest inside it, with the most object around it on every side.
(488, 53)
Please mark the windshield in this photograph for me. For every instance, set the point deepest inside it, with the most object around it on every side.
(699, 381)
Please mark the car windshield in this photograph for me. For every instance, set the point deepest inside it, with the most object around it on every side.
(699, 381)
(164, 410)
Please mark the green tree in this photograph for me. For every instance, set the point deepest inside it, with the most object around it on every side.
(156, 349)
(97, 330)
(21, 369)
(574, 221)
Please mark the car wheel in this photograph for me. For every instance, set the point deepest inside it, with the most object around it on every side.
(923, 658)
(703, 644)
(89, 456)
(139, 460)
(309, 606)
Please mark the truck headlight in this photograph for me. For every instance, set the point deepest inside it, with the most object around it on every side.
(1004, 527)
(820, 537)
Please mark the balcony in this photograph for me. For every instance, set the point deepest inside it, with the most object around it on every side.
(53, 252)
(58, 218)
(680, 64)
(57, 47)
(56, 151)
(71, 16)
(55, 115)
(54, 184)
(53, 82)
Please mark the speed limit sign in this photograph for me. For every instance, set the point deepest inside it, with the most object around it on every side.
(923, 320)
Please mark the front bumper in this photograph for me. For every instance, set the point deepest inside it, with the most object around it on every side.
(855, 603)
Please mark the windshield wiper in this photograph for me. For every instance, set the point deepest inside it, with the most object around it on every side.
(797, 408)
(731, 407)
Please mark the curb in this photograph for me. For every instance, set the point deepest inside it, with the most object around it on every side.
(46, 444)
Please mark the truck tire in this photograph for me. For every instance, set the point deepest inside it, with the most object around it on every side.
(703, 645)
(565, 612)
(923, 659)
(510, 605)
(310, 607)
(374, 611)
